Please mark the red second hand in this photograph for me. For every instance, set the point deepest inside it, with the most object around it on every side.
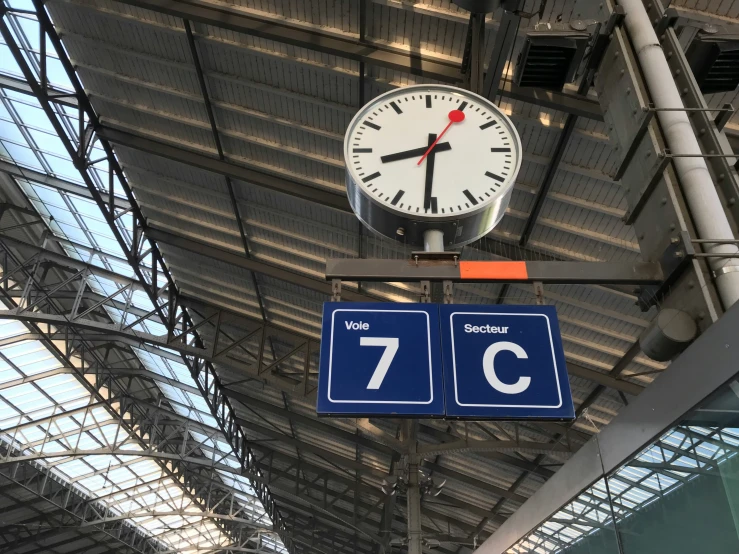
(455, 116)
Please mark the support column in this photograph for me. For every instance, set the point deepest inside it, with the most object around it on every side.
(433, 240)
(698, 187)
(410, 432)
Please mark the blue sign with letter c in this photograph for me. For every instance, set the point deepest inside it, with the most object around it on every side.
(430, 360)
(504, 362)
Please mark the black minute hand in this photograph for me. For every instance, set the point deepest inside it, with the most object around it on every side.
(430, 158)
(441, 147)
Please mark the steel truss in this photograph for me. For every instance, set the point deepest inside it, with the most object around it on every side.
(148, 430)
(138, 250)
(309, 492)
(229, 339)
(305, 489)
(69, 508)
(160, 433)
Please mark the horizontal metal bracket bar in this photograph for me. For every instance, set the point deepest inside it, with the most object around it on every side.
(501, 272)
(724, 114)
(715, 241)
(667, 154)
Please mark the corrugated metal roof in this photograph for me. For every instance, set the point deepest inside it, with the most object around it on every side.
(282, 109)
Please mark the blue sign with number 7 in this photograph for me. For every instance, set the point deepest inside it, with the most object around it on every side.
(380, 358)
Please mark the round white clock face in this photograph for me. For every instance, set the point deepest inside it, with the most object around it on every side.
(474, 161)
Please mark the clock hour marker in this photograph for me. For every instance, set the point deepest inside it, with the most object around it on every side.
(376, 174)
(398, 196)
(396, 108)
(372, 125)
(462, 106)
(362, 150)
(470, 197)
(504, 149)
(488, 124)
(428, 100)
(434, 206)
(492, 176)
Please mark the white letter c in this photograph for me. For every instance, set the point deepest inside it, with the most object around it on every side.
(488, 365)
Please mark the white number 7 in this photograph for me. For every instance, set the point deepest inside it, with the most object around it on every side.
(391, 347)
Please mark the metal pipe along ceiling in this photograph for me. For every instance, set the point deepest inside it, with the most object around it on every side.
(700, 193)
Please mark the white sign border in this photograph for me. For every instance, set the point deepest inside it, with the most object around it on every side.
(554, 360)
(331, 357)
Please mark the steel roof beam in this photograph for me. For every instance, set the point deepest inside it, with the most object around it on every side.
(209, 251)
(214, 165)
(352, 48)
(598, 47)
(353, 465)
(219, 147)
(57, 183)
(336, 200)
(360, 489)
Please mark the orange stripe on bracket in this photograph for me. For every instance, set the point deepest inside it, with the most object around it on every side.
(483, 271)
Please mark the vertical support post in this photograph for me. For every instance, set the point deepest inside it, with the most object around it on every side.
(433, 240)
(539, 293)
(425, 292)
(476, 53)
(504, 41)
(409, 435)
(448, 290)
(362, 36)
(336, 290)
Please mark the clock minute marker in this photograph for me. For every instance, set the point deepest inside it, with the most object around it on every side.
(494, 176)
(469, 196)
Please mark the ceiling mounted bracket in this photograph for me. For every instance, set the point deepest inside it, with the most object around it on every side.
(674, 260)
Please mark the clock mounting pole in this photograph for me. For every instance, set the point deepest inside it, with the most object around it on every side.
(433, 240)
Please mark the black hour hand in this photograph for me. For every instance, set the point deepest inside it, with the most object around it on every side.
(415, 153)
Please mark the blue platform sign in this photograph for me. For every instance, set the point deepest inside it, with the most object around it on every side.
(380, 358)
(504, 362)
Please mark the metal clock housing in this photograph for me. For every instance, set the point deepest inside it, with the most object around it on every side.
(401, 187)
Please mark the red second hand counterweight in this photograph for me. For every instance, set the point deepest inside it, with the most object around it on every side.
(455, 116)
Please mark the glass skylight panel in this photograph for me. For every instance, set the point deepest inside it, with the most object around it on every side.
(28, 139)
